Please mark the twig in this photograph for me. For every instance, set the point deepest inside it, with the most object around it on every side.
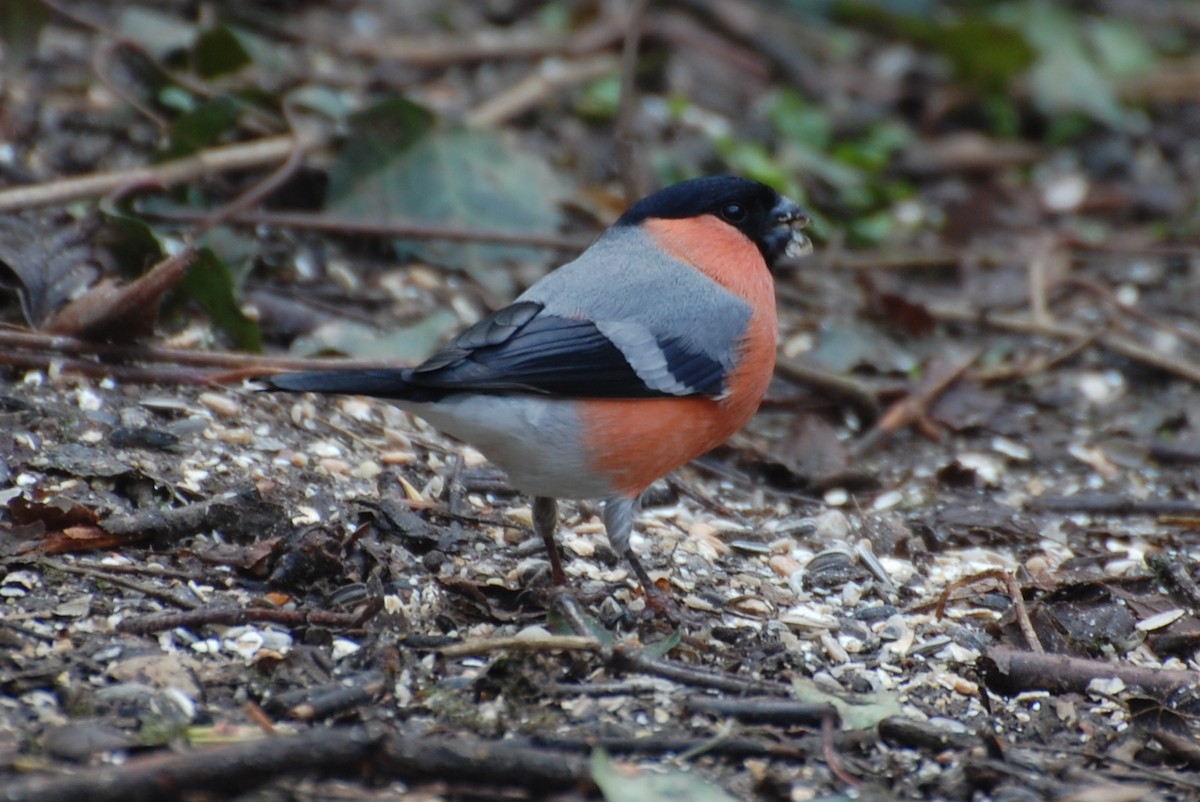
(1175, 572)
(265, 186)
(829, 751)
(80, 18)
(631, 179)
(1110, 504)
(772, 710)
(221, 772)
(1011, 671)
(631, 687)
(465, 758)
(902, 731)
(912, 409)
(233, 616)
(629, 659)
(843, 388)
(1014, 592)
(322, 701)
(215, 772)
(1023, 324)
(794, 749)
(390, 228)
(1134, 312)
(487, 45)
(253, 118)
(1040, 269)
(44, 347)
(554, 643)
(101, 65)
(213, 160)
(122, 373)
(550, 76)
(153, 591)
(1038, 363)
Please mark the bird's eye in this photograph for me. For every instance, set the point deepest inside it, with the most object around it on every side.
(734, 213)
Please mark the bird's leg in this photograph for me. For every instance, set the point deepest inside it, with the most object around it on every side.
(545, 521)
(618, 524)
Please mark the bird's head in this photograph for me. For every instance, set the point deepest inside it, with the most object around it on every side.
(771, 221)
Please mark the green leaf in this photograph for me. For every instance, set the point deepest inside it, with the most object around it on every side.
(1121, 49)
(209, 282)
(158, 33)
(378, 137)
(559, 625)
(672, 786)
(1065, 78)
(801, 122)
(324, 100)
(600, 99)
(984, 54)
(21, 21)
(219, 51)
(872, 228)
(132, 242)
(861, 712)
(660, 649)
(201, 127)
(399, 166)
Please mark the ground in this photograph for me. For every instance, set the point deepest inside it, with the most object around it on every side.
(953, 557)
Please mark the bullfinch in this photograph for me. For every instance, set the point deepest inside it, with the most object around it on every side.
(652, 347)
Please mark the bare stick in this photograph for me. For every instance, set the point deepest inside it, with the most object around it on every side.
(550, 76)
(214, 160)
(267, 185)
(631, 181)
(1023, 324)
(44, 344)
(1014, 593)
(912, 409)
(1015, 671)
(389, 228)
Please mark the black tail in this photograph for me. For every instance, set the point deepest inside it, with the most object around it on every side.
(381, 383)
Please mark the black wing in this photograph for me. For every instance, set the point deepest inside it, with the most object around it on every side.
(521, 348)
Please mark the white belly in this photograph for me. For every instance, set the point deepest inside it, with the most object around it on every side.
(535, 440)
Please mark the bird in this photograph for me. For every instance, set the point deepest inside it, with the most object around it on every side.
(652, 347)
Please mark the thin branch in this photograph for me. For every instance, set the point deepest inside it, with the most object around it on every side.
(549, 77)
(832, 385)
(392, 228)
(553, 643)
(266, 186)
(1014, 671)
(914, 408)
(1014, 592)
(487, 45)
(1023, 324)
(1111, 297)
(631, 179)
(42, 344)
(225, 158)
(1041, 266)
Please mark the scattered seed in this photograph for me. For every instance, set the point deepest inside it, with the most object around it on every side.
(220, 404)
